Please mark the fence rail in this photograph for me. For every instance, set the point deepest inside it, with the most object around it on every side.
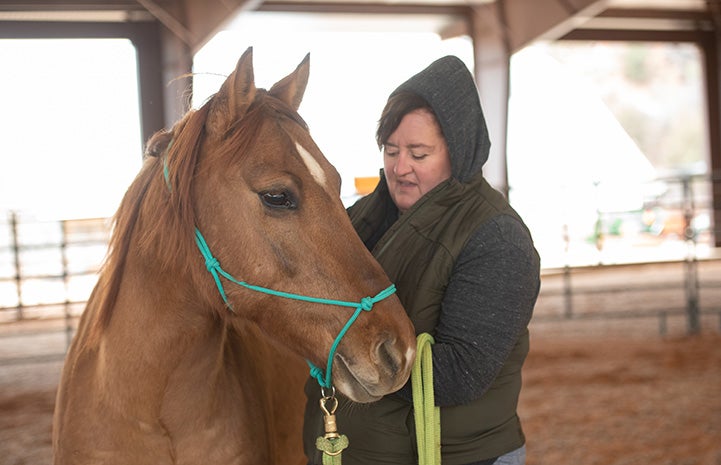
(48, 269)
(689, 290)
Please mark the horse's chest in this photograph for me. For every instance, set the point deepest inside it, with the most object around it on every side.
(222, 445)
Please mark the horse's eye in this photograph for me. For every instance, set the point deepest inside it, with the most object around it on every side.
(278, 199)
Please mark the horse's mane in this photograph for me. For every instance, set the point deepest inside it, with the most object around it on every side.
(157, 212)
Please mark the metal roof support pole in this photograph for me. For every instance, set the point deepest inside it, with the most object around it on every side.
(177, 68)
(491, 46)
(151, 100)
(167, 59)
(498, 30)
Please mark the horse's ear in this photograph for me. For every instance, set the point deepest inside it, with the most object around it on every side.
(234, 97)
(291, 88)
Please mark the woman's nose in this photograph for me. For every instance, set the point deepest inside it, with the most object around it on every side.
(403, 165)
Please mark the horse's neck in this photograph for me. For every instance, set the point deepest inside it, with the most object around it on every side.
(167, 362)
(150, 332)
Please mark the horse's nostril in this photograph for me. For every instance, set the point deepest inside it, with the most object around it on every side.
(388, 356)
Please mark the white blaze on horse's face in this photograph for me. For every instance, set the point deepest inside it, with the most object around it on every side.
(313, 166)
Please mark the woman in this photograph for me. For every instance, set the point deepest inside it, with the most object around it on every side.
(466, 271)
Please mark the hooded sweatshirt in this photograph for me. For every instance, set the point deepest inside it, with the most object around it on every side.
(467, 273)
(450, 90)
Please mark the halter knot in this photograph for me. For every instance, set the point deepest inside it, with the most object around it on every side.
(211, 263)
(366, 303)
(318, 374)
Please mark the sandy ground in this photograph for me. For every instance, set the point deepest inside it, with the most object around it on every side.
(596, 391)
(603, 400)
(623, 401)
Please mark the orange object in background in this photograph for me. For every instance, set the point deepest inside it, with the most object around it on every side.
(366, 184)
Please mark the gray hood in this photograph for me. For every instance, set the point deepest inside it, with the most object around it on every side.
(449, 88)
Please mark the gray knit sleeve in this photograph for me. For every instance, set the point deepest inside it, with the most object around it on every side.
(487, 305)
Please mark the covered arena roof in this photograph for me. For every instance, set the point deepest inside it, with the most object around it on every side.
(194, 22)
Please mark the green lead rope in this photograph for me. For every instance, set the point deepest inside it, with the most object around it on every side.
(427, 415)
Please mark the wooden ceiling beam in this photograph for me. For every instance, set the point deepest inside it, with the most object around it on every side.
(205, 18)
(76, 5)
(530, 20)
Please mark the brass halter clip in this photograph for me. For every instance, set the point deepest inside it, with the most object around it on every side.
(332, 443)
(329, 405)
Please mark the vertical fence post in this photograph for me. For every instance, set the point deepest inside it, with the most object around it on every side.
(567, 289)
(662, 324)
(691, 262)
(567, 292)
(66, 280)
(16, 262)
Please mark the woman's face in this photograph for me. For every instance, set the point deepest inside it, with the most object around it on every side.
(415, 158)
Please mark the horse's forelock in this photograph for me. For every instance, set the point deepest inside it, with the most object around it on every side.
(241, 135)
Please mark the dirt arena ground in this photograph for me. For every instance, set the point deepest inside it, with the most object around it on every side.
(623, 401)
(605, 401)
(595, 392)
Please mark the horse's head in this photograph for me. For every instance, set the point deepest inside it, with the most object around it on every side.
(268, 204)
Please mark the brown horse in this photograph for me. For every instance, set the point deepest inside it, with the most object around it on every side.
(162, 370)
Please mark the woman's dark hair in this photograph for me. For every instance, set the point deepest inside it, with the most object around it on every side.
(398, 106)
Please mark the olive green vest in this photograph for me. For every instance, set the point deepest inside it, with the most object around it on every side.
(432, 234)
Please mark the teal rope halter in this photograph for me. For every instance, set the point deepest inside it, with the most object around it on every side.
(366, 303)
(213, 266)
